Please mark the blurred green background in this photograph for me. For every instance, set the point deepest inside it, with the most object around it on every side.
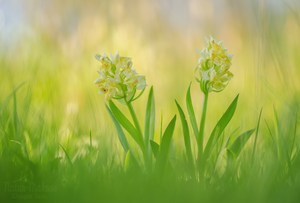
(49, 103)
(50, 46)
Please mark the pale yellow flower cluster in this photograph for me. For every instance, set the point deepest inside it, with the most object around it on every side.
(117, 77)
(212, 71)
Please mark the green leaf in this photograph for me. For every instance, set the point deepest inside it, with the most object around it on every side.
(150, 117)
(126, 124)
(236, 147)
(155, 148)
(186, 133)
(165, 143)
(191, 112)
(219, 128)
(130, 162)
(120, 131)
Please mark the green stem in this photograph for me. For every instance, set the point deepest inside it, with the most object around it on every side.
(201, 129)
(138, 127)
(134, 118)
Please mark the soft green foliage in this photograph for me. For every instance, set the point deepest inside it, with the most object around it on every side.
(191, 112)
(155, 148)
(130, 162)
(236, 147)
(120, 131)
(256, 135)
(164, 147)
(60, 141)
(220, 126)
(144, 140)
(96, 174)
(149, 118)
(186, 134)
(121, 118)
(67, 155)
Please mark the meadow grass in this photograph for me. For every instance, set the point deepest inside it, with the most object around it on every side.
(39, 165)
(58, 142)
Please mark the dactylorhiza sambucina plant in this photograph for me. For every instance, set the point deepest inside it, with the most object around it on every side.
(213, 75)
(119, 81)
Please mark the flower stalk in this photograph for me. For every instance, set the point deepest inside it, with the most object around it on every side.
(202, 127)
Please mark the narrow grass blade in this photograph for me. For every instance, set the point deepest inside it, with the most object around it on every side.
(16, 117)
(276, 116)
(294, 134)
(256, 134)
(186, 133)
(150, 118)
(91, 140)
(5, 103)
(28, 148)
(67, 155)
(191, 112)
(278, 136)
(165, 143)
(120, 131)
(219, 128)
(119, 116)
(155, 148)
(16, 142)
(161, 126)
(270, 132)
(236, 147)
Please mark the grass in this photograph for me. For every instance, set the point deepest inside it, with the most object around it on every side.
(40, 162)
(58, 142)
(37, 166)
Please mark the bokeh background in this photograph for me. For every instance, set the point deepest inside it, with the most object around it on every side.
(49, 47)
